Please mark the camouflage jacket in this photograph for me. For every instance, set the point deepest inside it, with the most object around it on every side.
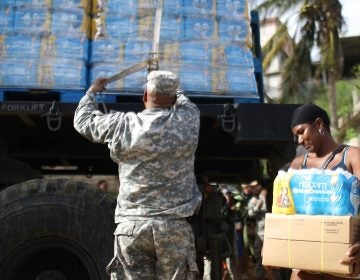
(155, 152)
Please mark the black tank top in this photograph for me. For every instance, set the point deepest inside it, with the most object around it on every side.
(341, 164)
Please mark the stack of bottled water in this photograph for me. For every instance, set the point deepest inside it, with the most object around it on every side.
(206, 42)
(44, 43)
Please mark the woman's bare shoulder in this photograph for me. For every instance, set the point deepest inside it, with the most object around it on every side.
(353, 159)
(354, 153)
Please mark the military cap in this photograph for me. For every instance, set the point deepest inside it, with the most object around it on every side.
(163, 83)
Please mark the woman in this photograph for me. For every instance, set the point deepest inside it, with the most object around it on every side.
(311, 127)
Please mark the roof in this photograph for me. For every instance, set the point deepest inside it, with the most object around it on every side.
(350, 48)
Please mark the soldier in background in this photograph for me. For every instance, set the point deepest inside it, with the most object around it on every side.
(155, 151)
(257, 210)
(102, 185)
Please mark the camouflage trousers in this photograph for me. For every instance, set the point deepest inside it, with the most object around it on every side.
(154, 249)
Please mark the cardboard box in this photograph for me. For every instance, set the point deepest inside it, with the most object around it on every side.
(314, 243)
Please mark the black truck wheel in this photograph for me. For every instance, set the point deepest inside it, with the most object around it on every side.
(55, 229)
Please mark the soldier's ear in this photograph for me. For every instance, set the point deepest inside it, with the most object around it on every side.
(145, 96)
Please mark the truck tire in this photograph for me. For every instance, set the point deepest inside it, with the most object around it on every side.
(55, 229)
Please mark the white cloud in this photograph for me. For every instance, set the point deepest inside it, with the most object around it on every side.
(350, 11)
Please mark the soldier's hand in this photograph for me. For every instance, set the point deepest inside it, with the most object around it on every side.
(98, 85)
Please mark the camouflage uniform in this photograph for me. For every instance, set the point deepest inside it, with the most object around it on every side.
(155, 151)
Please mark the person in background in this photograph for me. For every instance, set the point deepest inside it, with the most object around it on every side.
(310, 125)
(231, 262)
(257, 210)
(155, 152)
(102, 185)
(242, 201)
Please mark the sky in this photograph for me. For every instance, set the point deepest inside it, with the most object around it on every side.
(350, 11)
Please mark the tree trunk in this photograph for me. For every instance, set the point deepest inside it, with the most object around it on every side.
(332, 103)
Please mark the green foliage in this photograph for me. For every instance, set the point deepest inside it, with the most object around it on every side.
(344, 101)
(351, 133)
(343, 98)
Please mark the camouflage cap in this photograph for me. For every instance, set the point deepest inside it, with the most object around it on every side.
(163, 83)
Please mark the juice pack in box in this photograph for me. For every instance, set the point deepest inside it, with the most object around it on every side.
(325, 192)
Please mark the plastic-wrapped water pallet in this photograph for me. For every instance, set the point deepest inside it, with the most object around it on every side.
(200, 41)
(107, 50)
(18, 72)
(200, 27)
(72, 4)
(34, 73)
(74, 21)
(138, 7)
(205, 7)
(65, 46)
(32, 20)
(234, 30)
(6, 20)
(232, 8)
(20, 46)
(65, 73)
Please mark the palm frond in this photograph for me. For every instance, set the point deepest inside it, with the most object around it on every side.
(278, 43)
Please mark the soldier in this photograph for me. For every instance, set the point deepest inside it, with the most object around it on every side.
(155, 151)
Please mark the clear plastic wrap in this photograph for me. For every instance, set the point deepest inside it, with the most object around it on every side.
(6, 20)
(18, 72)
(206, 43)
(232, 9)
(63, 73)
(28, 20)
(321, 192)
(44, 44)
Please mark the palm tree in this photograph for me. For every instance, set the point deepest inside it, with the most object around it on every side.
(318, 25)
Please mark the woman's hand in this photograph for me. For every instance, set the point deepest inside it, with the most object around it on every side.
(352, 258)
